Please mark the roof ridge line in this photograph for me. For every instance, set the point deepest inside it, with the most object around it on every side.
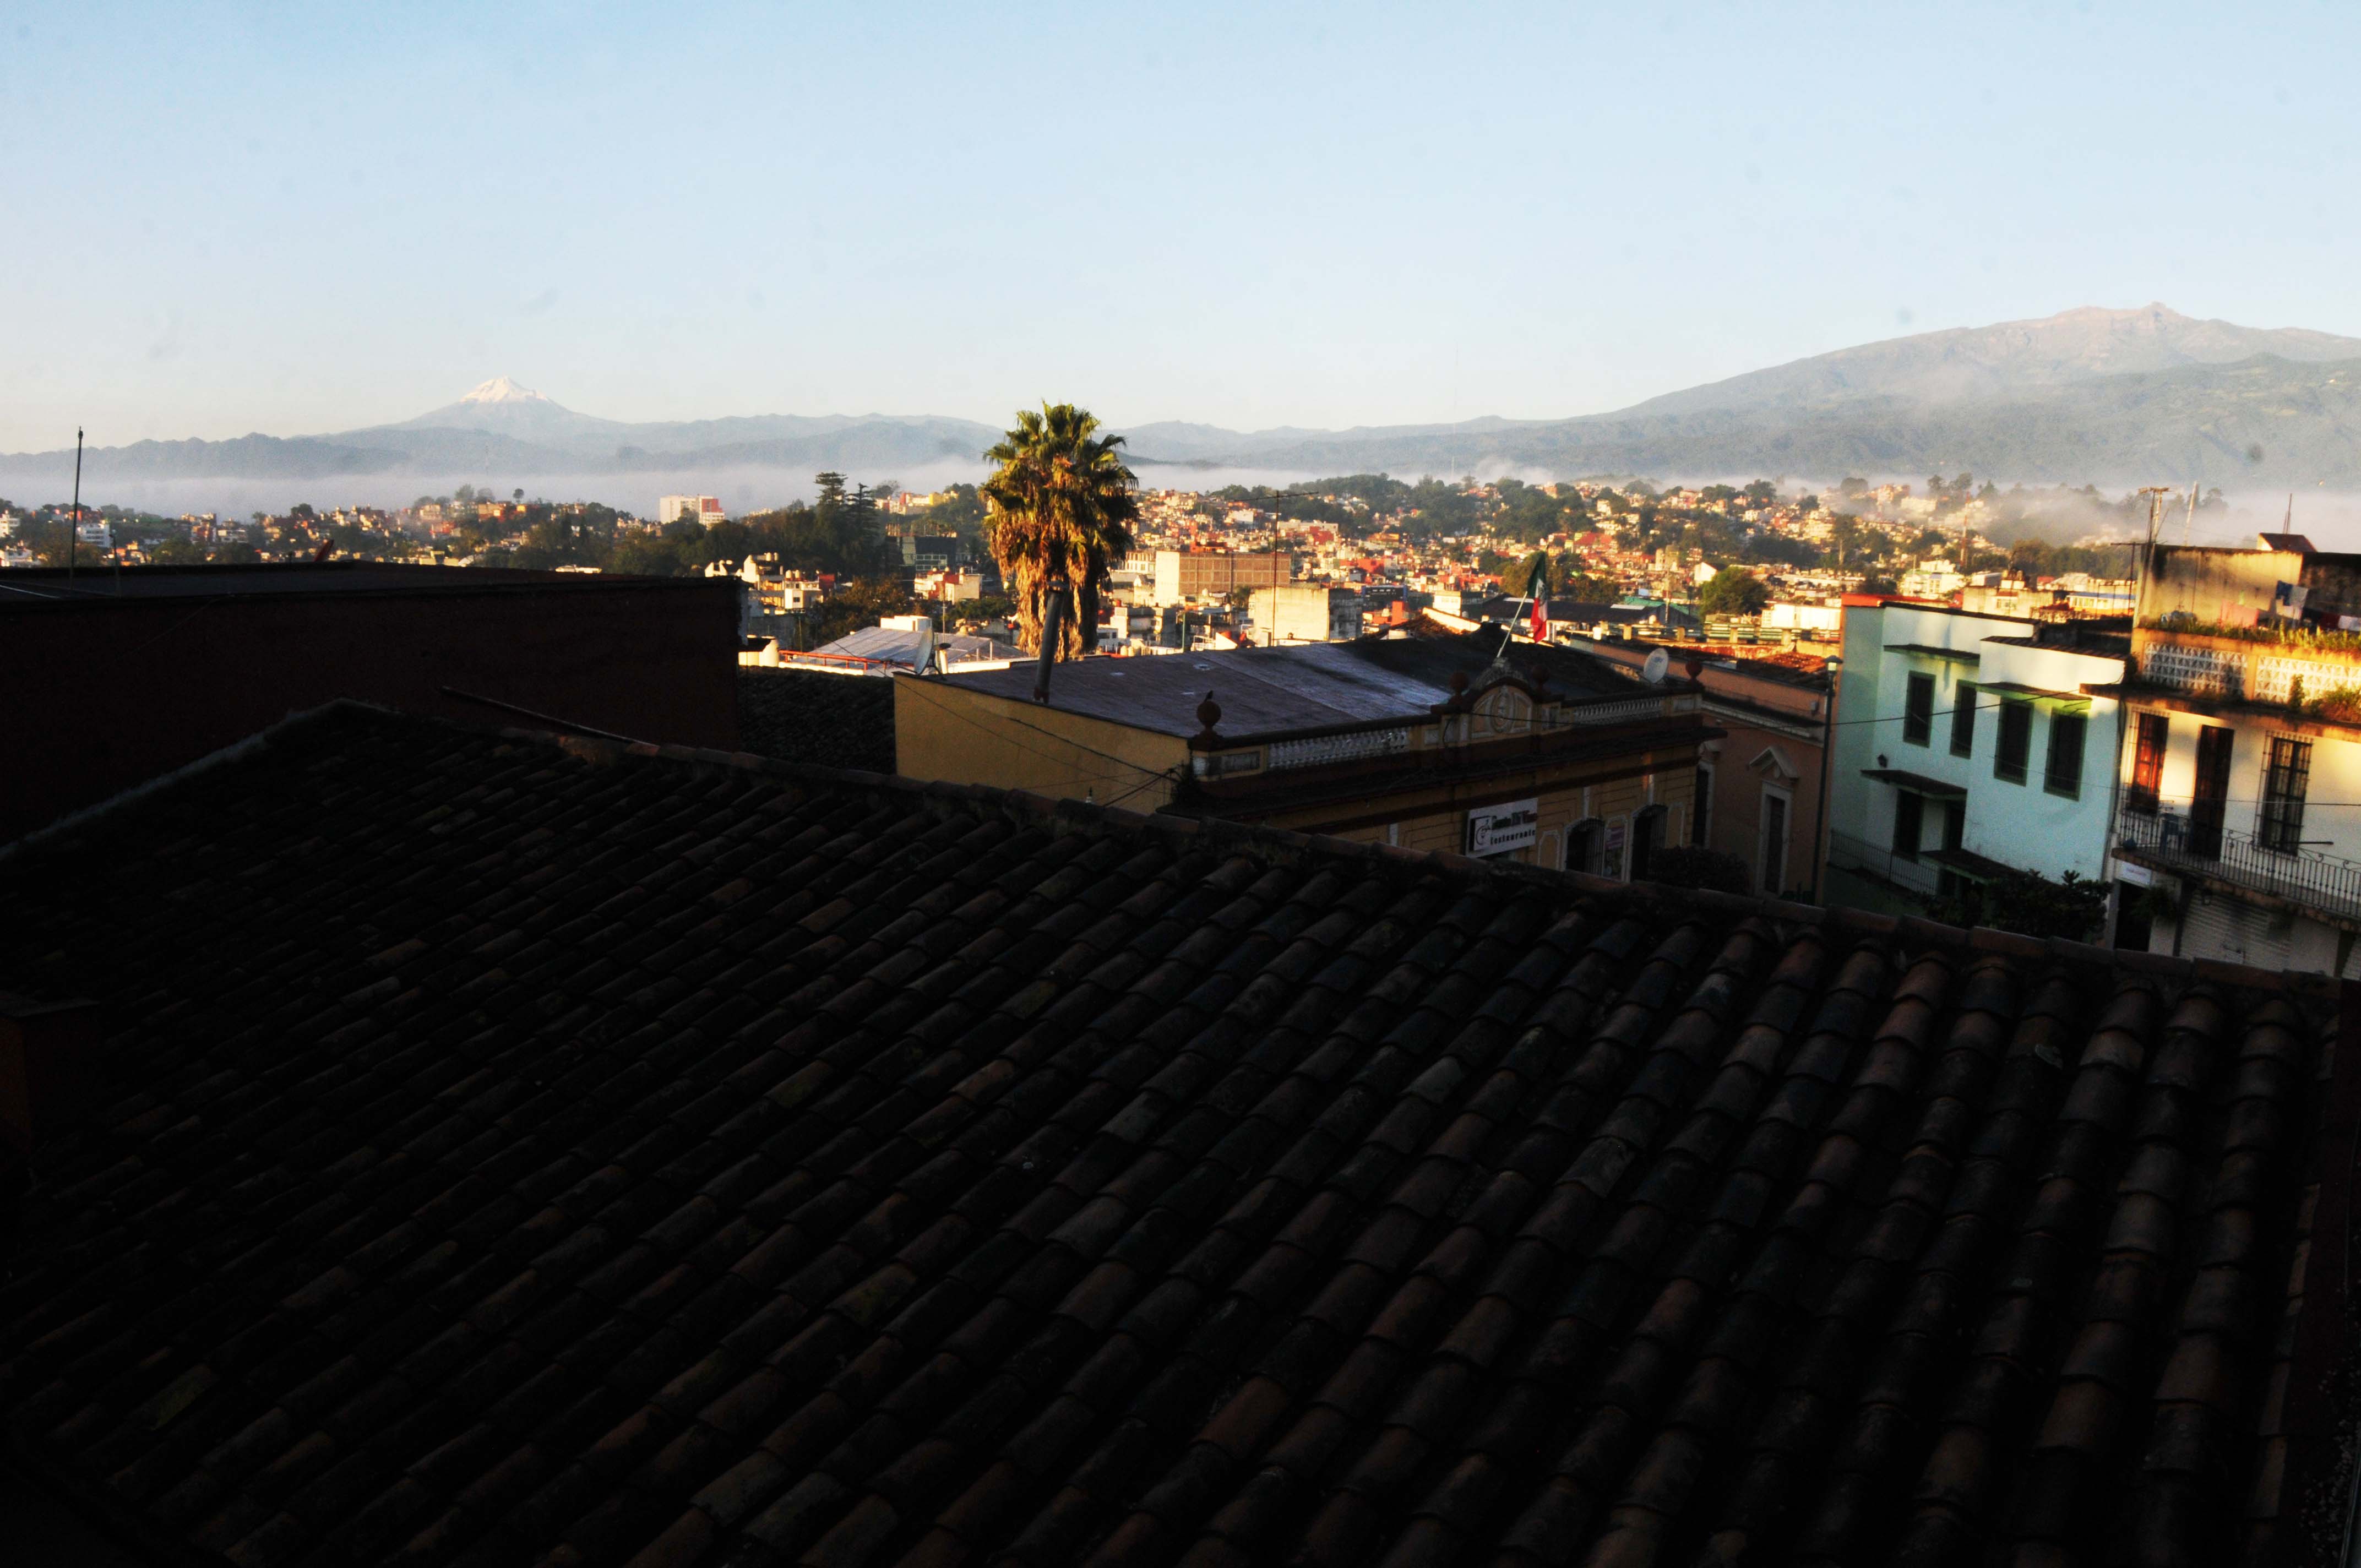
(1915, 929)
(236, 750)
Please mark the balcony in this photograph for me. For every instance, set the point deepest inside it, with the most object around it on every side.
(2187, 845)
(1850, 852)
(1318, 751)
(2259, 665)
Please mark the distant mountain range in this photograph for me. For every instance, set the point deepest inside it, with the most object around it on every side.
(2092, 395)
(2099, 395)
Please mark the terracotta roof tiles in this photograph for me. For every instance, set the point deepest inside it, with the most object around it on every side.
(534, 1152)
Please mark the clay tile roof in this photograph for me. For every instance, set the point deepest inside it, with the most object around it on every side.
(520, 1151)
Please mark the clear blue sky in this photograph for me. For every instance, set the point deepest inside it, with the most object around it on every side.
(309, 217)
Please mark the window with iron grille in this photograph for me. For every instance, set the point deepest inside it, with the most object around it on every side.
(1963, 720)
(2285, 777)
(2148, 764)
(2063, 776)
(1919, 710)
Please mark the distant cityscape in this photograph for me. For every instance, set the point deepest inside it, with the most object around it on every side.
(1661, 560)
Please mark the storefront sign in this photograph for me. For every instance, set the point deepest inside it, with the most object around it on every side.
(1497, 829)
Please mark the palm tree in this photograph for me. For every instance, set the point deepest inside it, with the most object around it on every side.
(1062, 508)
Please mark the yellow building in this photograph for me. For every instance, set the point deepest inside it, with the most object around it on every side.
(1549, 756)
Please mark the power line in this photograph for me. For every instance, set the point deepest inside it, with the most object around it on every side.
(1051, 734)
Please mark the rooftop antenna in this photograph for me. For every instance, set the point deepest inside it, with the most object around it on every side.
(77, 535)
(2189, 523)
(2155, 494)
(2286, 526)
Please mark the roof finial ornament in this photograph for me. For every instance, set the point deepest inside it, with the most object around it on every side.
(1209, 713)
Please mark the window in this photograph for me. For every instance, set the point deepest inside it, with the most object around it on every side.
(2064, 773)
(1908, 810)
(1701, 816)
(1955, 823)
(1773, 880)
(2212, 792)
(1647, 838)
(2285, 777)
(1919, 710)
(2148, 764)
(2016, 741)
(1585, 843)
(1963, 720)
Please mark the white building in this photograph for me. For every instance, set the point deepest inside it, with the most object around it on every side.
(705, 509)
(1790, 617)
(1930, 579)
(1967, 743)
(1303, 614)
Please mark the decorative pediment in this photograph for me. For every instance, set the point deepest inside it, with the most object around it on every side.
(1776, 765)
(1500, 688)
(1505, 708)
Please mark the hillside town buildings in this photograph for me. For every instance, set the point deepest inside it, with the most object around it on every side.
(1194, 1106)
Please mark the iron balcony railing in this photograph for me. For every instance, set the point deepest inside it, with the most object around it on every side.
(1849, 851)
(1352, 746)
(1623, 709)
(2190, 844)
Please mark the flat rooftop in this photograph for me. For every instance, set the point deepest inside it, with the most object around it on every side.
(1306, 686)
(21, 587)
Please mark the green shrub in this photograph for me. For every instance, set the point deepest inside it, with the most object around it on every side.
(2028, 903)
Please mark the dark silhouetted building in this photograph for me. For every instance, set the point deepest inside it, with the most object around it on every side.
(112, 680)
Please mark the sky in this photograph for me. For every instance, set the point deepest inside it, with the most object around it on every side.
(300, 218)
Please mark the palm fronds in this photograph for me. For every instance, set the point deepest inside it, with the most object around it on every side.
(1060, 510)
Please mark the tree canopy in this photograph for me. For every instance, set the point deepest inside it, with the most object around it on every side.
(1061, 505)
(1734, 590)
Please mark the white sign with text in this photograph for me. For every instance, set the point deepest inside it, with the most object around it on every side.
(1497, 829)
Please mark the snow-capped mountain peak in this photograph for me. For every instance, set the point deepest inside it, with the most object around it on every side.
(500, 389)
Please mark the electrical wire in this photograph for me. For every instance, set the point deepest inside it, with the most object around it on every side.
(1051, 734)
(1151, 776)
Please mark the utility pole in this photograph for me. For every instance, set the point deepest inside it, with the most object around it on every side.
(1821, 843)
(2155, 494)
(74, 540)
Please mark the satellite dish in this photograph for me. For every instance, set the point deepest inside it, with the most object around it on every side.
(1654, 670)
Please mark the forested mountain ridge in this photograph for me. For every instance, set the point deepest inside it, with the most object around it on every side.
(2088, 395)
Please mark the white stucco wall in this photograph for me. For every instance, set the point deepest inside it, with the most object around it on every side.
(2023, 825)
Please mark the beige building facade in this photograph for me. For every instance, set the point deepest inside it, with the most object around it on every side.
(1595, 773)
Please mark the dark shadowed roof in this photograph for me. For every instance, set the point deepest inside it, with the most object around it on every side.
(1310, 685)
(524, 1154)
(819, 717)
